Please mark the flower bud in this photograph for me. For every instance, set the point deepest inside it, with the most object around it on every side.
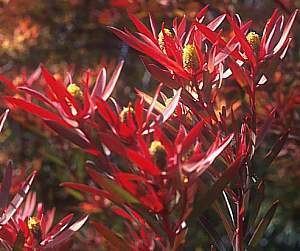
(161, 38)
(159, 154)
(75, 90)
(253, 39)
(189, 57)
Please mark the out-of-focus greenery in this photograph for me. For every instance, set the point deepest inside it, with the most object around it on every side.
(72, 34)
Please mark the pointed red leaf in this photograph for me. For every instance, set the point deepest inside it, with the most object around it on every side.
(39, 96)
(214, 37)
(266, 33)
(58, 228)
(8, 83)
(34, 76)
(141, 27)
(99, 85)
(37, 110)
(160, 75)
(113, 80)
(263, 225)
(74, 135)
(286, 31)
(240, 74)
(111, 186)
(242, 39)
(192, 136)
(17, 200)
(213, 152)
(215, 23)
(65, 235)
(169, 110)
(153, 25)
(202, 12)
(107, 113)
(116, 146)
(60, 91)
(29, 205)
(276, 148)
(153, 103)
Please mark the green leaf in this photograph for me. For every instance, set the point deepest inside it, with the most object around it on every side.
(77, 195)
(263, 225)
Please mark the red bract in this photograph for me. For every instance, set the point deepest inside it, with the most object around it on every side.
(156, 184)
(275, 39)
(179, 48)
(37, 229)
(17, 219)
(197, 53)
(68, 108)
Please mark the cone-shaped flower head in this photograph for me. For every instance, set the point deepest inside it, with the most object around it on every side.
(161, 38)
(75, 90)
(253, 39)
(159, 154)
(34, 225)
(189, 57)
(124, 113)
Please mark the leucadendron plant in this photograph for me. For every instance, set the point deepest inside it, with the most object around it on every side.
(196, 146)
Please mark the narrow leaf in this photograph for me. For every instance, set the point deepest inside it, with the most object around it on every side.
(110, 186)
(36, 110)
(169, 110)
(263, 225)
(75, 136)
(192, 136)
(242, 39)
(114, 144)
(99, 85)
(58, 228)
(286, 31)
(113, 80)
(65, 235)
(141, 27)
(17, 200)
(213, 152)
(3, 118)
(276, 148)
